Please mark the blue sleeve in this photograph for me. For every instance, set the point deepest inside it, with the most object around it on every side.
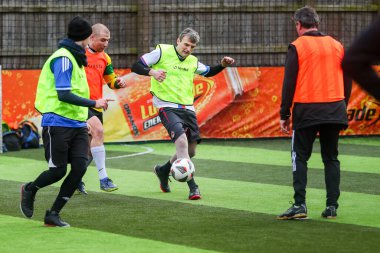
(62, 69)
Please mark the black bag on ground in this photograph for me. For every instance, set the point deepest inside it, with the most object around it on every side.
(29, 135)
(11, 141)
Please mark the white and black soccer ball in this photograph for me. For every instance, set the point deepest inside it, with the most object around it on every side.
(182, 170)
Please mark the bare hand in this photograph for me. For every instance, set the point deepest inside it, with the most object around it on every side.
(227, 61)
(159, 75)
(103, 103)
(285, 126)
(121, 82)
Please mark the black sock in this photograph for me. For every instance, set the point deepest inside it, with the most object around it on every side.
(31, 187)
(89, 160)
(192, 184)
(59, 203)
(166, 167)
(78, 169)
(47, 177)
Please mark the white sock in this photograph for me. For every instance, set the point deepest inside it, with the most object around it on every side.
(99, 156)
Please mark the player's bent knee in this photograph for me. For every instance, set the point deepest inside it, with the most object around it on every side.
(58, 172)
(97, 132)
(79, 165)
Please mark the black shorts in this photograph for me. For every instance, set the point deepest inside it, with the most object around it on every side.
(92, 112)
(179, 121)
(63, 143)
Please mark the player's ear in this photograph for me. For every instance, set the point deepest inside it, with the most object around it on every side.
(178, 41)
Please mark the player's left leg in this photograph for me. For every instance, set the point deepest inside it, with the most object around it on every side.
(77, 155)
(329, 135)
(193, 136)
(194, 189)
(182, 147)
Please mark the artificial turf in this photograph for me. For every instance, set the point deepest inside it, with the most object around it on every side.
(236, 214)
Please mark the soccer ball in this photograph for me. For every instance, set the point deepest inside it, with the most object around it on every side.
(182, 170)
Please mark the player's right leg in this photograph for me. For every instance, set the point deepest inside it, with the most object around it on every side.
(302, 146)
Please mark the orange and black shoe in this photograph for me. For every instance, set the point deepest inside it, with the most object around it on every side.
(195, 193)
(27, 201)
(163, 178)
(52, 219)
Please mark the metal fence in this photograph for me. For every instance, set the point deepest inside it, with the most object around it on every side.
(254, 32)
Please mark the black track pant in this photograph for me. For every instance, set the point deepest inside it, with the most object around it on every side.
(63, 145)
(302, 146)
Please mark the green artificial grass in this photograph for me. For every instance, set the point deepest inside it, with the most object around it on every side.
(19, 236)
(271, 157)
(362, 182)
(256, 197)
(204, 227)
(364, 146)
(244, 187)
(208, 227)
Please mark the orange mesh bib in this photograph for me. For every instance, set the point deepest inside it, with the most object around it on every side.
(94, 71)
(320, 76)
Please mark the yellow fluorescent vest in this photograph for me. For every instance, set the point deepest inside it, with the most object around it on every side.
(178, 85)
(47, 97)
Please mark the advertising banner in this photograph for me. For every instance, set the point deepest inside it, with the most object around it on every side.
(236, 103)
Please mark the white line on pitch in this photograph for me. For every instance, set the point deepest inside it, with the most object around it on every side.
(147, 151)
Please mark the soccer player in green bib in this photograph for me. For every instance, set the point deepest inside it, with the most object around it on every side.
(62, 97)
(172, 69)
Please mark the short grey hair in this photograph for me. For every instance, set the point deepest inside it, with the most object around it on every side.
(191, 33)
(307, 16)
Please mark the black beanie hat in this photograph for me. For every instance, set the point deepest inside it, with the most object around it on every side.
(79, 29)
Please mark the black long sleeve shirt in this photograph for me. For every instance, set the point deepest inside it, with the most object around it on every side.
(69, 97)
(363, 53)
(308, 114)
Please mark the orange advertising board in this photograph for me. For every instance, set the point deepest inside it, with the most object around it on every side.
(237, 103)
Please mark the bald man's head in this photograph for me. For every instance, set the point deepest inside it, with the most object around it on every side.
(98, 29)
(100, 37)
